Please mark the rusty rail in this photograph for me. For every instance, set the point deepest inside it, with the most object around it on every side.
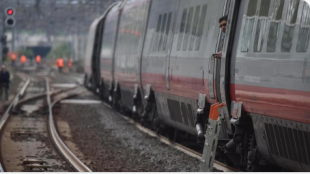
(63, 149)
(6, 115)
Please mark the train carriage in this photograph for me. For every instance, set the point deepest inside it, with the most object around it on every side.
(133, 20)
(107, 51)
(270, 78)
(176, 56)
(93, 50)
(89, 54)
(161, 60)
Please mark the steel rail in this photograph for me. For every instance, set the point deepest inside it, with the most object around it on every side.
(6, 115)
(63, 149)
(217, 165)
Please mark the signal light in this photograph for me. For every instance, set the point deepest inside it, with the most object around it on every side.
(10, 22)
(9, 11)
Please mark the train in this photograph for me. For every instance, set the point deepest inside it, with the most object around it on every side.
(155, 59)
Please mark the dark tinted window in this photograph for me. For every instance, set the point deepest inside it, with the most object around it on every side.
(188, 27)
(261, 26)
(276, 17)
(278, 10)
(248, 25)
(157, 33)
(201, 26)
(167, 31)
(289, 27)
(252, 8)
(182, 28)
(264, 8)
(304, 30)
(194, 28)
(163, 26)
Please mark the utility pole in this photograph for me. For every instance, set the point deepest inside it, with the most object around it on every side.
(13, 39)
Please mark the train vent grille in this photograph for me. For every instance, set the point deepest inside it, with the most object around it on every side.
(288, 143)
(127, 97)
(181, 112)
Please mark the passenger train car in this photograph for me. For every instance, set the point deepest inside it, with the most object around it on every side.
(155, 58)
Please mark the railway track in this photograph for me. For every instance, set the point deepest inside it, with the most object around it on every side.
(65, 151)
(6, 114)
(29, 139)
(218, 166)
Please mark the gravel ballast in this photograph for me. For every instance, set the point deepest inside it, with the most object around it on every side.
(110, 143)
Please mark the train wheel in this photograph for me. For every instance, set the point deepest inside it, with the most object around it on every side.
(94, 86)
(102, 90)
(85, 80)
(138, 109)
(88, 84)
(115, 100)
(155, 121)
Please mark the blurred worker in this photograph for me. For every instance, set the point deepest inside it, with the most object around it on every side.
(38, 60)
(60, 64)
(13, 59)
(4, 82)
(70, 64)
(23, 60)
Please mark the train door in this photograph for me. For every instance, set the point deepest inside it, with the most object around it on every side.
(95, 56)
(194, 28)
(215, 63)
(222, 67)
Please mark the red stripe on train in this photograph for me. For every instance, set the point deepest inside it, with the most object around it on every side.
(274, 102)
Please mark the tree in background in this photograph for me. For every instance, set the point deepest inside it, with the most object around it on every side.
(63, 50)
(27, 52)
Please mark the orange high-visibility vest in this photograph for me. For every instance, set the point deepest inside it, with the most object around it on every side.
(13, 57)
(60, 62)
(38, 59)
(70, 63)
(23, 59)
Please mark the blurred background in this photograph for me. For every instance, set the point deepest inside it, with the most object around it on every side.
(49, 28)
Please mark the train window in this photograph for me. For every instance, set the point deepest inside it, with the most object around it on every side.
(275, 20)
(162, 32)
(261, 26)
(157, 32)
(249, 25)
(201, 26)
(252, 6)
(138, 23)
(182, 28)
(304, 30)
(188, 27)
(167, 31)
(194, 28)
(289, 27)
